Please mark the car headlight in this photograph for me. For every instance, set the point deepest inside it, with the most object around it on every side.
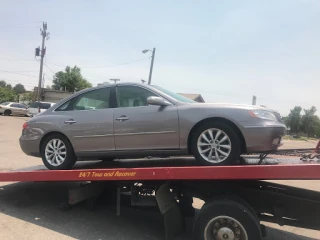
(263, 114)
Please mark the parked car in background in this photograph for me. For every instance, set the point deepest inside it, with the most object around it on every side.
(38, 107)
(130, 119)
(13, 108)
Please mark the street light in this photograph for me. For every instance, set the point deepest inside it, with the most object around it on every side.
(152, 60)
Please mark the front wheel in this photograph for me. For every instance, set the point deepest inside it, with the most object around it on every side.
(57, 153)
(216, 143)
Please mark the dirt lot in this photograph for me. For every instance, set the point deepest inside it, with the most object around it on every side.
(30, 210)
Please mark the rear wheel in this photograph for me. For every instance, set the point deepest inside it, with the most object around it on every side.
(57, 153)
(7, 112)
(225, 219)
(216, 143)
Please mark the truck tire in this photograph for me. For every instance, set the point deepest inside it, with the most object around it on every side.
(226, 219)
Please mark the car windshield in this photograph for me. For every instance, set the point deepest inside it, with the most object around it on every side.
(4, 103)
(176, 96)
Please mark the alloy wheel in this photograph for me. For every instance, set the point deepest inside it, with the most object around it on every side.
(55, 152)
(214, 145)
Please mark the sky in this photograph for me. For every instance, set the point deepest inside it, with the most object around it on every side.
(227, 51)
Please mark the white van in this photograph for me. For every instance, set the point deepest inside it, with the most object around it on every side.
(38, 107)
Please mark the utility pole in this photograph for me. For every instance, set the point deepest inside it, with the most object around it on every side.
(151, 66)
(115, 80)
(44, 35)
(254, 100)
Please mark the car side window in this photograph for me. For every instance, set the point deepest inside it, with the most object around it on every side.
(14, 105)
(95, 99)
(133, 96)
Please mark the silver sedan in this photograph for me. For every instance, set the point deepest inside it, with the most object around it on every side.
(12, 108)
(137, 120)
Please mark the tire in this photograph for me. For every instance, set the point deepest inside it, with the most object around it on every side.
(69, 156)
(237, 218)
(232, 142)
(7, 112)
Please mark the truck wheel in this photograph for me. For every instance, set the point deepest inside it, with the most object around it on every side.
(216, 143)
(7, 112)
(57, 153)
(226, 219)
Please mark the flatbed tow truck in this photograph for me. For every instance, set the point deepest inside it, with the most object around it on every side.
(236, 197)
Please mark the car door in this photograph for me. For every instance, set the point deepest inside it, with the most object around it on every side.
(87, 120)
(23, 109)
(15, 110)
(140, 126)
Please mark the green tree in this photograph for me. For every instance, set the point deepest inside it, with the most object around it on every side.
(294, 119)
(3, 83)
(70, 80)
(309, 121)
(7, 95)
(27, 97)
(19, 88)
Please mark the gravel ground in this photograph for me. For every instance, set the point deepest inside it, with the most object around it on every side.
(30, 210)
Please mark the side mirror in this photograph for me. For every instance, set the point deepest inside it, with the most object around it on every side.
(159, 101)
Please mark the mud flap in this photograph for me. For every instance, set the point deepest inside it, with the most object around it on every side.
(174, 221)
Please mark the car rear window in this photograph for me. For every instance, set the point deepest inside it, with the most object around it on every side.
(4, 103)
(34, 105)
(45, 105)
(40, 104)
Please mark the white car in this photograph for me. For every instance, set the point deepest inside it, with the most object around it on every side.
(38, 107)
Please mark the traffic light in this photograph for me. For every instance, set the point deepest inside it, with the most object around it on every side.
(37, 52)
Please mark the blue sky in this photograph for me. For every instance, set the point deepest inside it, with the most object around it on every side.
(225, 50)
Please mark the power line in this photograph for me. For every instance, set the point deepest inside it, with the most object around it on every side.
(18, 73)
(115, 65)
(19, 25)
(15, 60)
(49, 68)
(16, 82)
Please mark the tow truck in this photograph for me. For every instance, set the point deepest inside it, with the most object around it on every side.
(236, 198)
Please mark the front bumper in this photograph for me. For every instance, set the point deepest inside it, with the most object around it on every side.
(30, 147)
(263, 138)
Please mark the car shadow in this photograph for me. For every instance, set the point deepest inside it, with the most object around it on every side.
(38, 203)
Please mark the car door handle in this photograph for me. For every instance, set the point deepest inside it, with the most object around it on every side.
(71, 121)
(122, 118)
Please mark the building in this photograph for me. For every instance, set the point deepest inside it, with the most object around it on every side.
(194, 97)
(50, 95)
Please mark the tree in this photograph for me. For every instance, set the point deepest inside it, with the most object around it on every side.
(7, 95)
(19, 88)
(70, 80)
(3, 83)
(294, 119)
(309, 121)
(27, 97)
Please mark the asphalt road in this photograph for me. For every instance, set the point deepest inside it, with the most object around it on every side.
(31, 210)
